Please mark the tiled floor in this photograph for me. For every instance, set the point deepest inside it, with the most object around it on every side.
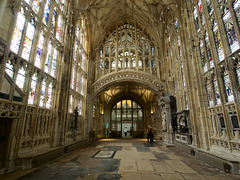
(132, 159)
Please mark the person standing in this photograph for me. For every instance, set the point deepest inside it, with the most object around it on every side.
(148, 133)
(125, 131)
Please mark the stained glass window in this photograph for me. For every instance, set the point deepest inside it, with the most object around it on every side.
(80, 107)
(231, 35)
(39, 49)
(238, 72)
(218, 41)
(140, 63)
(228, 87)
(133, 64)
(43, 92)
(146, 62)
(17, 34)
(47, 11)
(83, 64)
(106, 64)
(9, 69)
(113, 64)
(195, 15)
(236, 7)
(216, 91)
(21, 78)
(209, 6)
(73, 76)
(182, 72)
(59, 27)
(27, 1)
(36, 5)
(54, 61)
(49, 96)
(71, 104)
(48, 60)
(209, 93)
(203, 58)
(32, 91)
(106, 51)
(82, 85)
(75, 51)
(146, 49)
(179, 47)
(208, 50)
(54, 19)
(201, 12)
(28, 40)
(77, 82)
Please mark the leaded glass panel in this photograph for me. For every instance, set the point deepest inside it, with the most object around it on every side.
(49, 55)
(27, 46)
(43, 92)
(35, 5)
(218, 42)
(236, 7)
(59, 28)
(203, 58)
(231, 35)
(39, 50)
(228, 87)
(73, 76)
(209, 54)
(71, 104)
(20, 80)
(238, 72)
(17, 34)
(9, 69)
(216, 91)
(209, 93)
(32, 91)
(46, 11)
(54, 62)
(49, 96)
(195, 15)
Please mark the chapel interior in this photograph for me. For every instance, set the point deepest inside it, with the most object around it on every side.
(74, 71)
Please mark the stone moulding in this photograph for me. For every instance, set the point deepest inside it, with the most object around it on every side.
(152, 82)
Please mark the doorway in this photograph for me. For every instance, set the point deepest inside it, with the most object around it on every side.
(5, 127)
(127, 114)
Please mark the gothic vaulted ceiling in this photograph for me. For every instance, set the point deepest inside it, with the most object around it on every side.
(103, 14)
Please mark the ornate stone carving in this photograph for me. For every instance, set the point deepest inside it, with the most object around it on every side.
(12, 5)
(3, 49)
(125, 76)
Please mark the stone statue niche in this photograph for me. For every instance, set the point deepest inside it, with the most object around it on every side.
(167, 130)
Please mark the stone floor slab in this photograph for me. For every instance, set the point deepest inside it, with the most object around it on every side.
(128, 166)
(179, 166)
(144, 165)
(151, 176)
(133, 155)
(131, 176)
(147, 155)
(120, 155)
(171, 176)
(162, 167)
(193, 176)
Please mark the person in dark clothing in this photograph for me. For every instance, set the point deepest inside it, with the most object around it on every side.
(149, 134)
